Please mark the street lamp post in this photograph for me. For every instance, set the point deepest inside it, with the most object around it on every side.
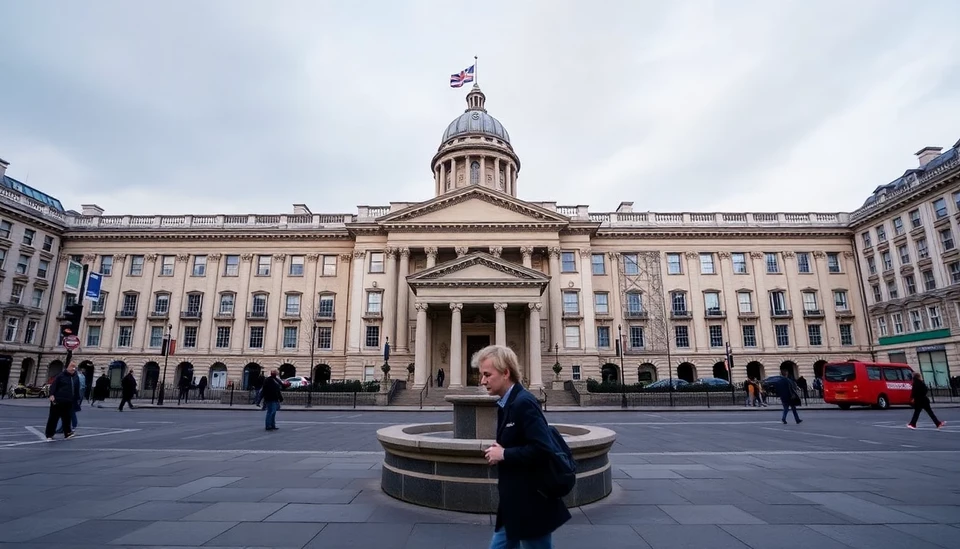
(623, 394)
(166, 358)
(313, 375)
(733, 395)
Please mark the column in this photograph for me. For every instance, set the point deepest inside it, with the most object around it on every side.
(436, 180)
(536, 376)
(586, 286)
(403, 296)
(443, 176)
(496, 175)
(420, 350)
(356, 301)
(556, 305)
(456, 340)
(527, 253)
(501, 312)
(431, 256)
(453, 173)
(507, 178)
(389, 302)
(483, 170)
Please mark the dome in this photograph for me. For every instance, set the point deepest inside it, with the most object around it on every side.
(476, 120)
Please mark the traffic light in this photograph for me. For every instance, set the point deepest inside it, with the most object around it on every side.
(71, 320)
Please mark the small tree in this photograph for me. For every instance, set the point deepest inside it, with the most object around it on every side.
(556, 370)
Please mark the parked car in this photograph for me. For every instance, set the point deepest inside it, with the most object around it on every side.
(714, 381)
(295, 382)
(665, 383)
(770, 385)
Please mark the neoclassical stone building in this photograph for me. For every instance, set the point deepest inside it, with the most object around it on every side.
(474, 265)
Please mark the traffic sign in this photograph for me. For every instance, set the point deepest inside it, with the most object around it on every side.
(71, 342)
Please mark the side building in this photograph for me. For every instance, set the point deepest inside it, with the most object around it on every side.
(908, 252)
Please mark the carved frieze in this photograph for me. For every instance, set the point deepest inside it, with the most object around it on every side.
(848, 254)
(313, 258)
(757, 255)
(246, 257)
(496, 251)
(526, 250)
(359, 254)
(431, 251)
(89, 258)
(584, 252)
(64, 257)
(461, 250)
(150, 257)
(456, 307)
(691, 255)
(535, 306)
(723, 255)
(390, 253)
(420, 306)
(789, 254)
(404, 252)
(183, 258)
(213, 257)
(819, 254)
(554, 252)
(279, 258)
(499, 306)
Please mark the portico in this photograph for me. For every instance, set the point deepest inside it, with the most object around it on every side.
(468, 303)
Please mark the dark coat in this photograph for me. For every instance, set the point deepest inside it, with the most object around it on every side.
(785, 388)
(918, 393)
(101, 390)
(66, 388)
(128, 385)
(524, 512)
(272, 390)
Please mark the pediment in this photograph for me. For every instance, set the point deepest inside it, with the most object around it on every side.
(479, 269)
(474, 206)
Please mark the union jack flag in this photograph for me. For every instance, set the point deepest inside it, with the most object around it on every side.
(462, 77)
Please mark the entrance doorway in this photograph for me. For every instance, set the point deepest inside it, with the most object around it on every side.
(474, 344)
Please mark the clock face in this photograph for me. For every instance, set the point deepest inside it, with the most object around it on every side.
(476, 116)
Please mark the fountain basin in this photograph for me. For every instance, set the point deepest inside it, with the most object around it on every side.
(423, 468)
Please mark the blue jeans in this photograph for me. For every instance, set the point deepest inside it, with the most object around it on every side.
(272, 408)
(500, 541)
(787, 406)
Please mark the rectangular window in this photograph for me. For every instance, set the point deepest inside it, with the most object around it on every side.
(256, 337)
(929, 282)
(576, 372)
(136, 265)
(833, 262)
(887, 261)
(904, 254)
(329, 265)
(954, 272)
(739, 262)
(106, 265)
(749, 335)
(603, 337)
(226, 304)
(898, 225)
(289, 337)
(706, 264)
(778, 303)
(597, 265)
(199, 265)
(840, 302)
(872, 265)
(716, 335)
(10, 334)
(259, 306)
(324, 337)
(194, 304)
(682, 336)
(166, 265)
(877, 296)
(911, 284)
(100, 305)
(42, 267)
(37, 300)
(892, 289)
(125, 336)
(897, 324)
(803, 262)
(634, 304)
(5, 227)
(601, 303)
(156, 336)
(372, 338)
(231, 265)
(129, 305)
(223, 337)
(568, 262)
(28, 235)
(813, 333)
(571, 303)
(881, 234)
(773, 265)
(296, 265)
(922, 248)
(373, 302)
(16, 294)
(3, 257)
(23, 265)
(636, 337)
(325, 306)
(745, 302)
(376, 262)
(630, 265)
(940, 208)
(916, 321)
(946, 239)
(933, 314)
(783, 335)
(571, 337)
(190, 337)
(809, 302)
(292, 305)
(93, 336)
(865, 236)
(882, 326)
(161, 304)
(678, 302)
(263, 265)
(711, 303)
(31, 332)
(674, 266)
(846, 334)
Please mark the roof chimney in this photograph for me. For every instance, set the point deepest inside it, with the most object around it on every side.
(625, 207)
(3, 167)
(301, 209)
(91, 209)
(927, 154)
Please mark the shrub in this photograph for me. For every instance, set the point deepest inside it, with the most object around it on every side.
(594, 386)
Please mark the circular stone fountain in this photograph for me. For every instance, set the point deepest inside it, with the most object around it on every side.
(442, 465)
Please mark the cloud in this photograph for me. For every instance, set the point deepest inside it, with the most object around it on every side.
(237, 107)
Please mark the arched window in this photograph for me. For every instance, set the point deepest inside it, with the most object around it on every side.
(475, 173)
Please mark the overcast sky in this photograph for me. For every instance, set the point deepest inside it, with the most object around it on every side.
(242, 107)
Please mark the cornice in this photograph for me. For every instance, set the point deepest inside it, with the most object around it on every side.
(536, 213)
(471, 227)
(905, 200)
(713, 233)
(98, 235)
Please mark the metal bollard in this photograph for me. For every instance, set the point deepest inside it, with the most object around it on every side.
(231, 396)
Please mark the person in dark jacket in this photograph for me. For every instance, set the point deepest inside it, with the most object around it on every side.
(258, 387)
(184, 387)
(921, 402)
(202, 386)
(440, 377)
(101, 389)
(525, 516)
(64, 394)
(272, 394)
(788, 392)
(128, 389)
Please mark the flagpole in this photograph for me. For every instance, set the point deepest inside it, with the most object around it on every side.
(476, 78)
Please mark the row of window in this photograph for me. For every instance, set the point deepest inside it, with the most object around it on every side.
(910, 283)
(290, 339)
(23, 265)
(708, 263)
(918, 320)
(940, 211)
(11, 331)
(231, 265)
(29, 236)
(16, 296)
(635, 336)
(711, 302)
(194, 304)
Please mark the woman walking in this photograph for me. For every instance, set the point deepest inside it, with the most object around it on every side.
(920, 401)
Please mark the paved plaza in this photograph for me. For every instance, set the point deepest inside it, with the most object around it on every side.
(211, 478)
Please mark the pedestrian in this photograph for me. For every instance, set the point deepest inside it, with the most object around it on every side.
(76, 407)
(128, 389)
(258, 387)
(789, 395)
(802, 383)
(749, 386)
(440, 377)
(64, 394)
(272, 394)
(184, 387)
(525, 516)
(202, 386)
(921, 402)
(101, 389)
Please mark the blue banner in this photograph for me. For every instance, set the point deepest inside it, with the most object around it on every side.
(93, 287)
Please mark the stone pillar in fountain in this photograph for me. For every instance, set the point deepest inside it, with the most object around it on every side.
(456, 356)
(501, 310)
